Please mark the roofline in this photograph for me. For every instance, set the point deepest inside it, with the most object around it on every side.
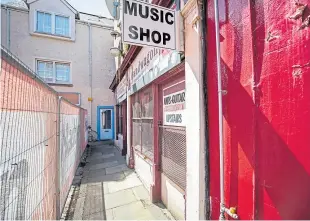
(94, 24)
(99, 16)
(113, 84)
(4, 6)
(76, 12)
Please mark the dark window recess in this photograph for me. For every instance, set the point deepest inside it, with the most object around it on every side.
(120, 119)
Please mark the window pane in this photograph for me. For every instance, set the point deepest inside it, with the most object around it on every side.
(107, 123)
(44, 22)
(61, 25)
(62, 72)
(45, 70)
(120, 119)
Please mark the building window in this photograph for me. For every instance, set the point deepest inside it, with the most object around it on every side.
(50, 23)
(142, 122)
(54, 72)
(62, 25)
(44, 22)
(45, 70)
(62, 72)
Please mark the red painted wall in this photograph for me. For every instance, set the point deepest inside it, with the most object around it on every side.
(265, 62)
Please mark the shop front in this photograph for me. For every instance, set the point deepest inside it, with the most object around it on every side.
(152, 93)
(121, 116)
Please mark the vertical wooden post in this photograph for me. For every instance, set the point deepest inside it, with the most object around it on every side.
(156, 187)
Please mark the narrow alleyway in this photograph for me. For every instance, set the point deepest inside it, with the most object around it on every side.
(106, 189)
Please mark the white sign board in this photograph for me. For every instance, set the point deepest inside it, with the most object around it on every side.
(145, 24)
(174, 109)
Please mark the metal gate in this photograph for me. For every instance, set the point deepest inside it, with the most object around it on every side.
(172, 141)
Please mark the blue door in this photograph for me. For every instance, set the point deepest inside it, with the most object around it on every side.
(105, 122)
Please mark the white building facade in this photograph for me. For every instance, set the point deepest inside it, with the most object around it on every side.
(69, 50)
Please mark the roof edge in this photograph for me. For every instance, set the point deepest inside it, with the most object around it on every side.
(66, 3)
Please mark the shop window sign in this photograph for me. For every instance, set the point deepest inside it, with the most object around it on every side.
(174, 109)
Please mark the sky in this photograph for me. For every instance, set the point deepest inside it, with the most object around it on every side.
(96, 7)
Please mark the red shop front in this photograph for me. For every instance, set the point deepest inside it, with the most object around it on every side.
(158, 134)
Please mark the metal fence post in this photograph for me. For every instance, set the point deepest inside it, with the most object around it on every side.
(58, 215)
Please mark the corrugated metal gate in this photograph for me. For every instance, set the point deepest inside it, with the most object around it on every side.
(172, 142)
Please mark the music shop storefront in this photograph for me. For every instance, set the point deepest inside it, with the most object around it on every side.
(153, 91)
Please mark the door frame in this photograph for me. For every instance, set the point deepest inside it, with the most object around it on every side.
(98, 120)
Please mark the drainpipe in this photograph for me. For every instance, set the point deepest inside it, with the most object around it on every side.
(90, 66)
(223, 209)
(205, 104)
(8, 28)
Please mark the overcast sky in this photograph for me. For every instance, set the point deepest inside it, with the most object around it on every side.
(97, 7)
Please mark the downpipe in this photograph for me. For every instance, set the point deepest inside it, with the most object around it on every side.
(8, 28)
(231, 211)
(90, 66)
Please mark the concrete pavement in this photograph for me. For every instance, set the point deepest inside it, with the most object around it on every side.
(106, 189)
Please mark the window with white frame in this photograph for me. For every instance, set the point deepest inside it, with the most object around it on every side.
(50, 23)
(44, 22)
(61, 25)
(54, 72)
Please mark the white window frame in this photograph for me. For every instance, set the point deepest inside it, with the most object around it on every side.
(54, 70)
(53, 18)
(65, 16)
(36, 22)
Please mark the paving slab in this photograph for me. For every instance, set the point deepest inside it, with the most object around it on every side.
(103, 165)
(106, 156)
(95, 216)
(140, 193)
(116, 169)
(94, 173)
(119, 198)
(106, 178)
(109, 190)
(109, 214)
(127, 183)
(132, 211)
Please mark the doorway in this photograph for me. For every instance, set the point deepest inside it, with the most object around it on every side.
(105, 122)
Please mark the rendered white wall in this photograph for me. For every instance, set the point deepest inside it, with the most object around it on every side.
(144, 171)
(195, 177)
(28, 48)
(172, 197)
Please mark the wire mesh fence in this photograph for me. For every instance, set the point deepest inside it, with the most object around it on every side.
(29, 119)
(172, 141)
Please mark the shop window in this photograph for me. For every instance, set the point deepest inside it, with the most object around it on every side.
(142, 122)
(120, 119)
